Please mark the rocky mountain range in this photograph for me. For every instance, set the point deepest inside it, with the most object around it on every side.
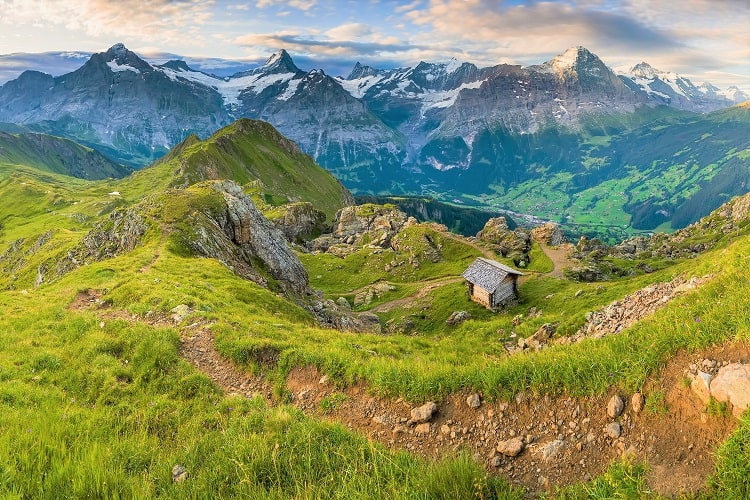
(450, 130)
(421, 117)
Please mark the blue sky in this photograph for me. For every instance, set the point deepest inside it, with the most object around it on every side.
(702, 39)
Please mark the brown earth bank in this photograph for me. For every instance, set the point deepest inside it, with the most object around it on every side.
(545, 441)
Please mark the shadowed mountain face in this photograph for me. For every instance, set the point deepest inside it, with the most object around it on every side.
(497, 136)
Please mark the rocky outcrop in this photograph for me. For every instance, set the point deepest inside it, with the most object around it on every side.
(300, 221)
(514, 244)
(360, 225)
(549, 234)
(246, 235)
(340, 316)
(116, 235)
(596, 259)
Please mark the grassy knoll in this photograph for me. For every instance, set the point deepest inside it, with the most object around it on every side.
(102, 406)
(98, 403)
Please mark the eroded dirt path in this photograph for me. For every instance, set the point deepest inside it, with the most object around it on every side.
(426, 288)
(565, 438)
(560, 257)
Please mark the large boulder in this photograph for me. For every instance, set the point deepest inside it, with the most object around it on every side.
(300, 221)
(549, 234)
(732, 384)
(257, 237)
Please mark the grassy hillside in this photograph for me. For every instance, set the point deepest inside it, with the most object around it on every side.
(97, 400)
(612, 179)
(253, 152)
(57, 155)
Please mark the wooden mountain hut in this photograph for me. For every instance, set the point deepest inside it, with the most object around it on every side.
(491, 283)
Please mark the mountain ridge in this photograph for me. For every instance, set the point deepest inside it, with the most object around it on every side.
(447, 130)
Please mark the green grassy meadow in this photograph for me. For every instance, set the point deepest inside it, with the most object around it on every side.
(97, 402)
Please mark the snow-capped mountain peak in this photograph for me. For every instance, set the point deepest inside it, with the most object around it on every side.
(644, 70)
(119, 59)
(279, 62)
(117, 51)
(575, 61)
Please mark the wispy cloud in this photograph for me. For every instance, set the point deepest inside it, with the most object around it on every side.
(303, 5)
(168, 19)
(305, 44)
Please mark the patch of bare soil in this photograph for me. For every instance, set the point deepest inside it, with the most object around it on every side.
(560, 257)
(88, 299)
(565, 439)
(198, 348)
(412, 300)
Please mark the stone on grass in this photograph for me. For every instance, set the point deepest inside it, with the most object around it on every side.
(457, 317)
(179, 312)
(179, 473)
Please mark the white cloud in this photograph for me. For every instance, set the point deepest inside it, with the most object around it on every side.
(170, 20)
(350, 30)
(303, 5)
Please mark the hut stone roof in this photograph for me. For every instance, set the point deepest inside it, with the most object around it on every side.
(488, 274)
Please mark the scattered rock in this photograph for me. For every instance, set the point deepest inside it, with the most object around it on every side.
(179, 473)
(621, 314)
(422, 429)
(423, 413)
(732, 383)
(615, 406)
(511, 447)
(551, 449)
(496, 461)
(637, 402)
(700, 383)
(457, 317)
(180, 312)
(399, 429)
(474, 401)
(614, 430)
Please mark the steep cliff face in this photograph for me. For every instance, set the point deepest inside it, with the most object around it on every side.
(218, 220)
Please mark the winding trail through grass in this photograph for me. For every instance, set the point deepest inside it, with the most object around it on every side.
(428, 287)
(660, 439)
(560, 257)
